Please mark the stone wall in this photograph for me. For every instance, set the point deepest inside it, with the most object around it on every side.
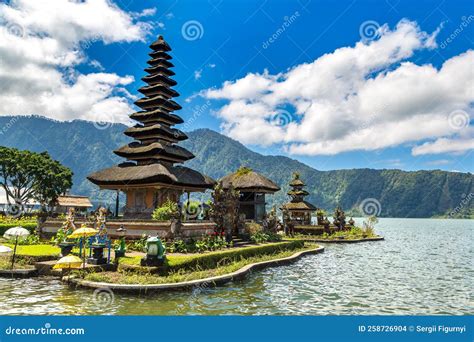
(136, 228)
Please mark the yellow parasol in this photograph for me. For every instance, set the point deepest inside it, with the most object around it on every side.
(69, 261)
(83, 232)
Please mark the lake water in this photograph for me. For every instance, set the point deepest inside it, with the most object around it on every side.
(424, 267)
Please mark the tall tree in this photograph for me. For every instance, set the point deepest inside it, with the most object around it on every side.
(26, 176)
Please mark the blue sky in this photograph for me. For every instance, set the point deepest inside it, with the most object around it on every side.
(233, 41)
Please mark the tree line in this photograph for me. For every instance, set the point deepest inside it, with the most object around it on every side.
(29, 176)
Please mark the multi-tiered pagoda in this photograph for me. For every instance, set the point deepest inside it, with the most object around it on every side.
(151, 176)
(298, 209)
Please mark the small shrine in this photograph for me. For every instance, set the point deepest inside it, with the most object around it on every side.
(252, 187)
(298, 210)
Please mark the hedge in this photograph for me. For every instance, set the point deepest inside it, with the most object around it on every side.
(5, 226)
(211, 259)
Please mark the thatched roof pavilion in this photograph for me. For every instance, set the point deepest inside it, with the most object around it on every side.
(253, 187)
(150, 176)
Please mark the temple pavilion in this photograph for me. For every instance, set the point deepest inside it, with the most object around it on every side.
(152, 173)
(252, 187)
(299, 210)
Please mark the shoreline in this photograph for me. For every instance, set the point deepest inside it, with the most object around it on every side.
(198, 283)
(378, 238)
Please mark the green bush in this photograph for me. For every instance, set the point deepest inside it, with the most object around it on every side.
(262, 237)
(206, 243)
(31, 226)
(218, 258)
(137, 245)
(355, 233)
(166, 212)
(253, 228)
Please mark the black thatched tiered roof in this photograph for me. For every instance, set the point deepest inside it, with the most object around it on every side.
(297, 194)
(155, 137)
(246, 180)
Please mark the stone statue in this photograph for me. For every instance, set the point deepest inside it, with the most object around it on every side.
(351, 222)
(339, 218)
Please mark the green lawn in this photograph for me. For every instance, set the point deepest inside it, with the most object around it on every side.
(36, 250)
(217, 258)
(127, 277)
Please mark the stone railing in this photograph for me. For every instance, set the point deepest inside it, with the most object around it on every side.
(137, 228)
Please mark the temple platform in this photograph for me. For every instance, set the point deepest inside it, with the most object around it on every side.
(46, 268)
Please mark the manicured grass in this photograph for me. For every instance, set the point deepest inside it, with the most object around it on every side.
(215, 259)
(180, 275)
(36, 251)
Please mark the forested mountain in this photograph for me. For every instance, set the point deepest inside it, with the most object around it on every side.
(86, 147)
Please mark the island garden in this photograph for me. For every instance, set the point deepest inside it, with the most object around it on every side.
(162, 239)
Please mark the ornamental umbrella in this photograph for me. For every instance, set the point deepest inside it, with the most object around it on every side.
(5, 249)
(15, 232)
(83, 232)
(69, 261)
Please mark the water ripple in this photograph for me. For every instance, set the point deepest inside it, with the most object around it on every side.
(424, 267)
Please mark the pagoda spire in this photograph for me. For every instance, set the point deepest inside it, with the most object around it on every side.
(297, 193)
(154, 134)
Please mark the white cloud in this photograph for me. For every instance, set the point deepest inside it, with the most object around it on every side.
(197, 74)
(96, 64)
(364, 97)
(41, 44)
(439, 162)
(444, 145)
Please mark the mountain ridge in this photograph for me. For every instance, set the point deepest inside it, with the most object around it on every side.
(86, 147)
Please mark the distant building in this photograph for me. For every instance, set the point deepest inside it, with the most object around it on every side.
(79, 203)
(299, 210)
